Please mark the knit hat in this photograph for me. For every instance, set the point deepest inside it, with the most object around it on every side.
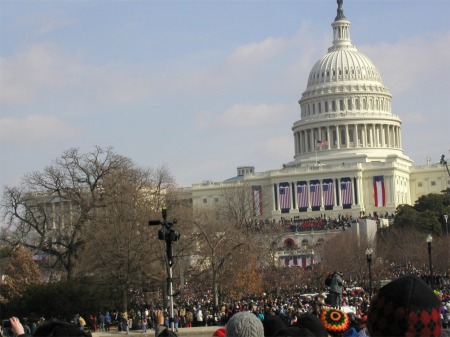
(244, 324)
(405, 307)
(271, 324)
(313, 324)
(335, 320)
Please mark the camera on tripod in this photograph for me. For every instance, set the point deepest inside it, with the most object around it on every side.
(166, 233)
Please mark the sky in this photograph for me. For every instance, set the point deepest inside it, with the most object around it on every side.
(203, 86)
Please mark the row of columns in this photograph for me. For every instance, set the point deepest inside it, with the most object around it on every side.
(365, 135)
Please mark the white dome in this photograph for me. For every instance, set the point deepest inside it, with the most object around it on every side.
(343, 65)
(345, 110)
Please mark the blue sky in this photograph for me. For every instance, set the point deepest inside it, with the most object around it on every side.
(203, 86)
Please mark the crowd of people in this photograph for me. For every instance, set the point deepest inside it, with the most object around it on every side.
(325, 222)
(286, 312)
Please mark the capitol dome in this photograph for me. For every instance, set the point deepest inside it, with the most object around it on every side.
(346, 109)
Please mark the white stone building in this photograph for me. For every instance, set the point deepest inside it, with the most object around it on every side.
(348, 155)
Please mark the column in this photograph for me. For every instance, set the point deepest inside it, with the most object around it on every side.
(328, 138)
(338, 139)
(347, 136)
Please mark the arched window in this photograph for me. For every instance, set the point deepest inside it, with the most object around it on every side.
(304, 243)
(289, 243)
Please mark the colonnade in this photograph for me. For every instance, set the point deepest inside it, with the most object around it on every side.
(348, 136)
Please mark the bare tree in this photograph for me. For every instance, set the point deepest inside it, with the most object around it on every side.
(51, 211)
(238, 208)
(346, 253)
(121, 249)
(216, 244)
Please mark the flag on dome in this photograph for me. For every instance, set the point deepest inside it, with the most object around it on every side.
(378, 191)
(321, 143)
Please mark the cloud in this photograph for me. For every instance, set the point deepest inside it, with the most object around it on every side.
(244, 116)
(43, 70)
(35, 129)
(412, 62)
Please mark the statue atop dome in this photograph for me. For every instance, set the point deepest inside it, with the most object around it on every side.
(340, 11)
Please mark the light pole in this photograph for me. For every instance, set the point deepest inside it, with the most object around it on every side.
(429, 241)
(446, 224)
(369, 252)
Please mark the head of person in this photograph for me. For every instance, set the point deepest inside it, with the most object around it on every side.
(244, 324)
(271, 324)
(57, 328)
(405, 307)
(313, 324)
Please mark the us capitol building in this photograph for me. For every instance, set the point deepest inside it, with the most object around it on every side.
(348, 156)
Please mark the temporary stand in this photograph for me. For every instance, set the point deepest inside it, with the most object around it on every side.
(167, 234)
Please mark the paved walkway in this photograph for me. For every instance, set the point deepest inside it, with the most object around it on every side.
(196, 331)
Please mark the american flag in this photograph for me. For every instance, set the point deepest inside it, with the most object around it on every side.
(314, 189)
(284, 196)
(257, 200)
(328, 196)
(302, 194)
(321, 143)
(346, 190)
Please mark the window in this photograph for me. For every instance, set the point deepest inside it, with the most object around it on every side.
(205, 201)
(433, 183)
(216, 199)
(419, 184)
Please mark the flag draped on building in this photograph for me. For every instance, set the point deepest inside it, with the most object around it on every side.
(314, 189)
(285, 200)
(257, 200)
(302, 194)
(346, 191)
(378, 191)
(328, 195)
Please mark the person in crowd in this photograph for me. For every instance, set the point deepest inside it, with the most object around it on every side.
(189, 318)
(405, 307)
(144, 324)
(101, 322)
(107, 321)
(81, 322)
(50, 328)
(336, 287)
(244, 324)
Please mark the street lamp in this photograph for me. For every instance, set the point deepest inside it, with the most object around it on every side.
(446, 224)
(369, 252)
(429, 241)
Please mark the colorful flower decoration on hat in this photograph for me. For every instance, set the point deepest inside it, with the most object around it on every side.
(335, 320)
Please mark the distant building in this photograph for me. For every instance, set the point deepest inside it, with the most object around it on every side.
(348, 158)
